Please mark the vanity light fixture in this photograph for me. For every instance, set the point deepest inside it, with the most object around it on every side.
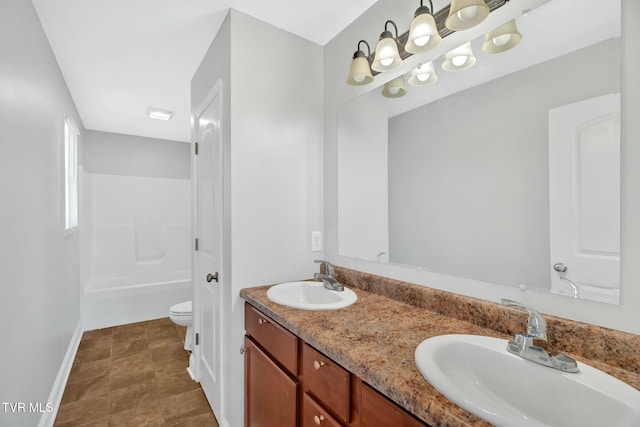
(426, 31)
(465, 14)
(387, 56)
(459, 58)
(395, 88)
(159, 114)
(360, 70)
(423, 32)
(423, 75)
(502, 38)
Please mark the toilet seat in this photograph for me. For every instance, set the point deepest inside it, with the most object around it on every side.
(182, 309)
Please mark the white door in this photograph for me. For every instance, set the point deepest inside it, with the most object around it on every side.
(208, 276)
(584, 192)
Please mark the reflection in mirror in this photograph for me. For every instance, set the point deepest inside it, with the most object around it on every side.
(513, 181)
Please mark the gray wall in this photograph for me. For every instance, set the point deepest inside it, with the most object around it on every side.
(337, 54)
(39, 290)
(117, 154)
(272, 137)
(363, 227)
(472, 199)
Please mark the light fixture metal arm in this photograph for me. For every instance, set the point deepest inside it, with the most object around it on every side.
(430, 6)
(389, 21)
(368, 48)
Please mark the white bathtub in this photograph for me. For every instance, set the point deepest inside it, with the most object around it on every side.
(135, 248)
(121, 300)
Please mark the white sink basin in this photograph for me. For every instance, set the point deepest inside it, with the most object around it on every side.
(478, 374)
(310, 296)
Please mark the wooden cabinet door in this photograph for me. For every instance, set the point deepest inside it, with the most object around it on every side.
(378, 411)
(270, 394)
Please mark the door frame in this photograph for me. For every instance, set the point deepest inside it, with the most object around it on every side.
(196, 370)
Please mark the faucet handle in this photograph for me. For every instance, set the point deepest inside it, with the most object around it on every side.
(536, 325)
(328, 266)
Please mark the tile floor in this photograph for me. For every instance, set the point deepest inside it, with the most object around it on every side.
(133, 375)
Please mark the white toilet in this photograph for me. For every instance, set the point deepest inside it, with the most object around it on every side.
(182, 314)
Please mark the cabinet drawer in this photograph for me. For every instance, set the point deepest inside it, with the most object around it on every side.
(314, 415)
(281, 344)
(328, 382)
(378, 411)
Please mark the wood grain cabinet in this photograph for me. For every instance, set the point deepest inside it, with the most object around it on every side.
(276, 341)
(271, 396)
(314, 414)
(378, 411)
(328, 382)
(288, 383)
(270, 369)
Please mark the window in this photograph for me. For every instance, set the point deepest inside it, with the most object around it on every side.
(70, 174)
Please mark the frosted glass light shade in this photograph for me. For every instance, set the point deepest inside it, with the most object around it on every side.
(394, 88)
(359, 72)
(459, 58)
(502, 38)
(464, 14)
(423, 75)
(423, 32)
(387, 56)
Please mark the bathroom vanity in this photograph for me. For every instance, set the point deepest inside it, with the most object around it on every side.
(355, 366)
(290, 383)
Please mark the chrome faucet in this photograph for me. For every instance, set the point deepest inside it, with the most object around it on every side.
(522, 345)
(329, 280)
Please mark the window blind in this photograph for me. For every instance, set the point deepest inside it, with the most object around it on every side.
(70, 174)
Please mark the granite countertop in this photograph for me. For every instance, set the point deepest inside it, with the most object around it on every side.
(375, 339)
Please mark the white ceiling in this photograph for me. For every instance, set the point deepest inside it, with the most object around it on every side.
(120, 56)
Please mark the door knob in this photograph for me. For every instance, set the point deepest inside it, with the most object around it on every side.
(560, 267)
(212, 277)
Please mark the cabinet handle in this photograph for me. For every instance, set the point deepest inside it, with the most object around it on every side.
(318, 419)
(262, 321)
(318, 364)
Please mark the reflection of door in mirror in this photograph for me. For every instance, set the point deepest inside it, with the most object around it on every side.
(584, 198)
(455, 179)
(469, 173)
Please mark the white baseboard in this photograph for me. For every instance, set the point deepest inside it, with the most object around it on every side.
(55, 397)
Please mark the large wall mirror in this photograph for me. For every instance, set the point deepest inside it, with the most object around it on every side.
(507, 172)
